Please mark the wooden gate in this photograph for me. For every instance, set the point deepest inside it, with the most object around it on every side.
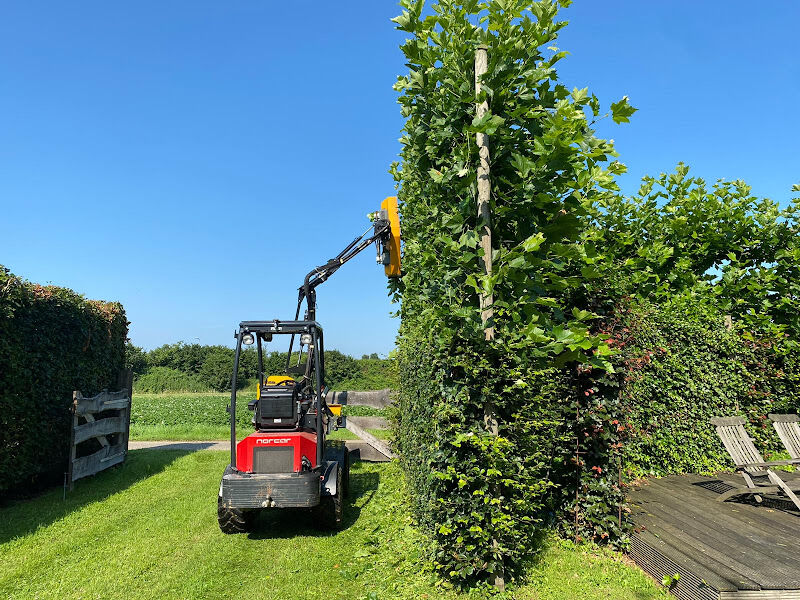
(105, 418)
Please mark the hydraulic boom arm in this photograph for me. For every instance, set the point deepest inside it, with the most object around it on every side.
(385, 234)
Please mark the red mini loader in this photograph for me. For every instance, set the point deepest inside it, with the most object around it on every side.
(286, 462)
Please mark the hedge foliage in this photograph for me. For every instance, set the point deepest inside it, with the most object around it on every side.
(622, 323)
(52, 342)
(157, 380)
(683, 365)
(677, 364)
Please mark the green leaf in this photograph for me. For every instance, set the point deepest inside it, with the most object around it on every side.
(621, 111)
(582, 315)
(590, 272)
(533, 242)
(580, 95)
(487, 124)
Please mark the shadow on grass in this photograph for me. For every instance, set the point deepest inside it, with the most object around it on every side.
(289, 523)
(24, 517)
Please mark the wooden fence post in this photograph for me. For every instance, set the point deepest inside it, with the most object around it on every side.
(126, 383)
(72, 450)
(484, 192)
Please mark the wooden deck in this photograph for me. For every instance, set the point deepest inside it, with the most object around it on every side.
(737, 550)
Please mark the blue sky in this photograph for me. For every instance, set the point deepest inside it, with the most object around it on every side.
(193, 160)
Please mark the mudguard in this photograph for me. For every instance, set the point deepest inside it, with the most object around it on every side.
(329, 478)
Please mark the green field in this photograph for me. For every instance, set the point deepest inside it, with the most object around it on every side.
(148, 529)
(192, 416)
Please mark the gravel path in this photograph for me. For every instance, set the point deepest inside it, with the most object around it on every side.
(170, 445)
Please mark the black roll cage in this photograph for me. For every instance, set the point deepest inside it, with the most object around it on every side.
(263, 331)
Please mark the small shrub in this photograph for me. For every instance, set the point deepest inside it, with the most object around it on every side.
(157, 380)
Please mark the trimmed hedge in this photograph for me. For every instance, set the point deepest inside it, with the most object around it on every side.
(684, 367)
(52, 342)
(503, 433)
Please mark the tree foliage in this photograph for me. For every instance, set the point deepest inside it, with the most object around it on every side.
(481, 495)
(611, 313)
(679, 237)
(209, 368)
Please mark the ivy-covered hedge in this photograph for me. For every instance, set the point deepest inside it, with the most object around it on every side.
(684, 366)
(678, 364)
(52, 342)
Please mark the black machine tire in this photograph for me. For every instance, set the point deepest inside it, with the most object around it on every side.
(328, 513)
(234, 520)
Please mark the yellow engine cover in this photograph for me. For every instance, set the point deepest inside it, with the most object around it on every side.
(274, 380)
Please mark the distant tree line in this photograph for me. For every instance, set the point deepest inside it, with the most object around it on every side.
(199, 367)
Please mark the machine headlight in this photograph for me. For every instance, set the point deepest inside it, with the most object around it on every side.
(248, 339)
(306, 339)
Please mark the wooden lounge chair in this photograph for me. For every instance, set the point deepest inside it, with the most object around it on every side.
(760, 479)
(788, 428)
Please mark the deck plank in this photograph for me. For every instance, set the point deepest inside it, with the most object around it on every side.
(735, 546)
(734, 524)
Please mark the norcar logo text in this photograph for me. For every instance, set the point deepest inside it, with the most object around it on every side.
(273, 440)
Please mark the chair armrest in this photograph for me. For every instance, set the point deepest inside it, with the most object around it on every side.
(772, 463)
(252, 404)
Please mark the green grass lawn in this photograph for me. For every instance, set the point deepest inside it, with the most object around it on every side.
(381, 434)
(147, 529)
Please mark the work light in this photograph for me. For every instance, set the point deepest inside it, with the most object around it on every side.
(306, 339)
(248, 339)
